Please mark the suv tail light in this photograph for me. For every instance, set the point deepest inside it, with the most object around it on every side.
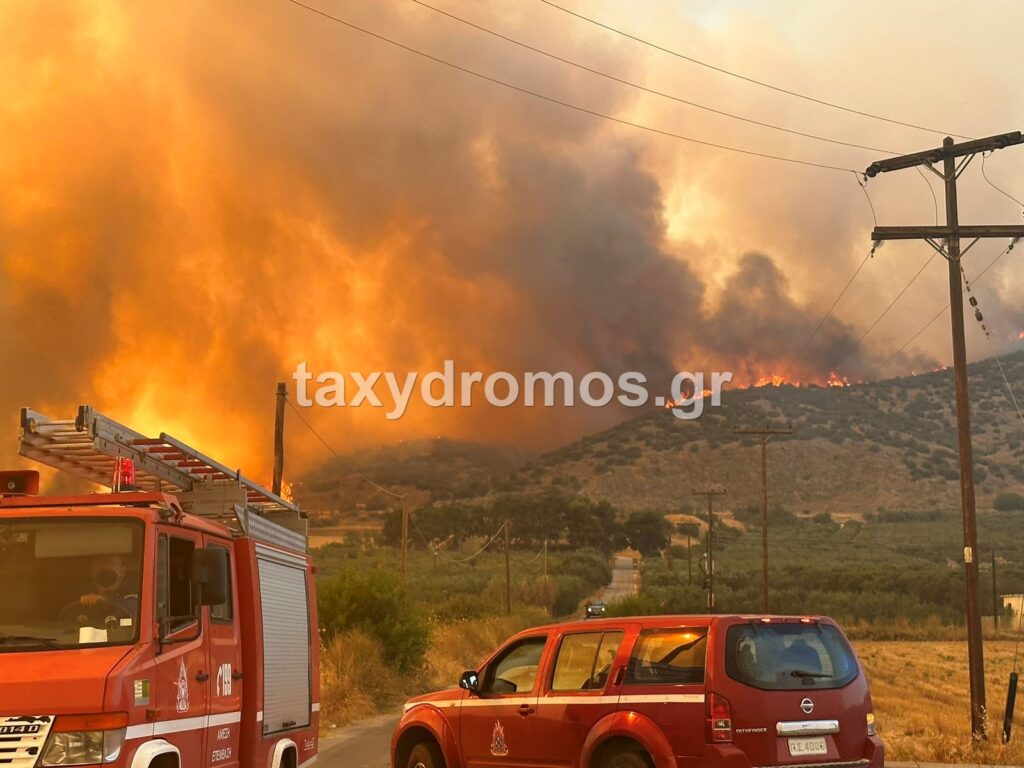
(719, 716)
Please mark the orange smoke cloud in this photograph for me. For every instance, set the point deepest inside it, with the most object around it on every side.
(199, 196)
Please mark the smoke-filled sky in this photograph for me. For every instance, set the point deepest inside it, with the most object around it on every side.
(197, 196)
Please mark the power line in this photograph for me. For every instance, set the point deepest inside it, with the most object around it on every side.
(337, 455)
(885, 311)
(935, 200)
(566, 104)
(828, 314)
(460, 560)
(1003, 192)
(942, 311)
(645, 89)
(973, 301)
(746, 78)
(871, 206)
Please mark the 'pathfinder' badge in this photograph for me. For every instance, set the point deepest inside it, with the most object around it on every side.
(498, 746)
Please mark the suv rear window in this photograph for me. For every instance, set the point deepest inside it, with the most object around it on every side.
(789, 657)
(668, 657)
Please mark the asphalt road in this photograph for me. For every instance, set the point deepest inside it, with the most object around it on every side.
(364, 745)
(625, 581)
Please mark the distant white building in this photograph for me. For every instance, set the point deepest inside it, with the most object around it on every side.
(1014, 603)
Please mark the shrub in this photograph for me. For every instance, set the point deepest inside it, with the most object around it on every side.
(374, 603)
(1009, 502)
(354, 678)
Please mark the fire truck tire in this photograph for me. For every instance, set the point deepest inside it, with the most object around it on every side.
(426, 754)
(156, 754)
(285, 754)
(626, 756)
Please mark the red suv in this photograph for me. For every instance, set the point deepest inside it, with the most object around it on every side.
(661, 692)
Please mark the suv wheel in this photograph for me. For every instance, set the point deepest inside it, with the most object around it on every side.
(629, 757)
(426, 754)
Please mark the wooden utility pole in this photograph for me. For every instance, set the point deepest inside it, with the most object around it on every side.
(710, 494)
(946, 240)
(508, 575)
(282, 397)
(764, 435)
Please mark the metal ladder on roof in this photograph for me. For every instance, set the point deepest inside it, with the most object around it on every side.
(88, 445)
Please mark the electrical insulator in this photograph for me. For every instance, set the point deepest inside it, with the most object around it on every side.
(973, 301)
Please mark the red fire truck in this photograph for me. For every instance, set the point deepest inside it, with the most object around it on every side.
(170, 623)
(653, 692)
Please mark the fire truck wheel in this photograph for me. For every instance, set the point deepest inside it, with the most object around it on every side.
(627, 757)
(426, 754)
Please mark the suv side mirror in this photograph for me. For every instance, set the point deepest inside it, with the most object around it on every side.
(210, 574)
(470, 680)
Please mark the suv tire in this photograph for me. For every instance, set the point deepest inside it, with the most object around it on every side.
(426, 754)
(628, 757)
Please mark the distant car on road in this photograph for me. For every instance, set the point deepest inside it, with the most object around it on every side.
(653, 692)
(594, 610)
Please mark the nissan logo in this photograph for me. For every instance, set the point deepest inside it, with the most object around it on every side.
(807, 706)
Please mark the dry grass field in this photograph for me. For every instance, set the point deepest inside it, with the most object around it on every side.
(921, 700)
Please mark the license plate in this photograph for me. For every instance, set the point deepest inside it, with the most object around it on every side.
(14, 730)
(808, 746)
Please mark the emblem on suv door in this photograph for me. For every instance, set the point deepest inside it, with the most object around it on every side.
(807, 706)
(498, 746)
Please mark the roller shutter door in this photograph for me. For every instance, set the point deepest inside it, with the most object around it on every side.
(286, 701)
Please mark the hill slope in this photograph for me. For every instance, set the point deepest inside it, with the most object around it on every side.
(854, 450)
(888, 444)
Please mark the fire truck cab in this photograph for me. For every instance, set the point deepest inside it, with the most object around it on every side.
(168, 624)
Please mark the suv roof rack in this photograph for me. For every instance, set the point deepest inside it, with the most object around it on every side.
(88, 445)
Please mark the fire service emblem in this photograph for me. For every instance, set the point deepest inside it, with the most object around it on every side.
(498, 746)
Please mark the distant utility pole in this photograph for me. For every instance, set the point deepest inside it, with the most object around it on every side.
(405, 541)
(946, 240)
(764, 434)
(710, 493)
(282, 397)
(689, 558)
(995, 593)
(508, 575)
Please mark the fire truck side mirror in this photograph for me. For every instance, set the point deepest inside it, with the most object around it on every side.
(210, 574)
(470, 680)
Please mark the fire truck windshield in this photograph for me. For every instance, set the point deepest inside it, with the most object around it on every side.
(69, 582)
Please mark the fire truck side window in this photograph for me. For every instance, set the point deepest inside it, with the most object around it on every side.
(224, 612)
(174, 580)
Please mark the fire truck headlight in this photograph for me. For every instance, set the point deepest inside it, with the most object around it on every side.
(84, 747)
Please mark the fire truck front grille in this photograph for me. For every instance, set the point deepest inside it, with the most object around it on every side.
(22, 740)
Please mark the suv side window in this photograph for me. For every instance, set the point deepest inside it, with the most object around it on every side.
(668, 657)
(585, 660)
(515, 670)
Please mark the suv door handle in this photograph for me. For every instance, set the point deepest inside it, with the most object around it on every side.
(526, 709)
(236, 675)
(202, 677)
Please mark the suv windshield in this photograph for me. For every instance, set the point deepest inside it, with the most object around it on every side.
(788, 657)
(69, 582)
